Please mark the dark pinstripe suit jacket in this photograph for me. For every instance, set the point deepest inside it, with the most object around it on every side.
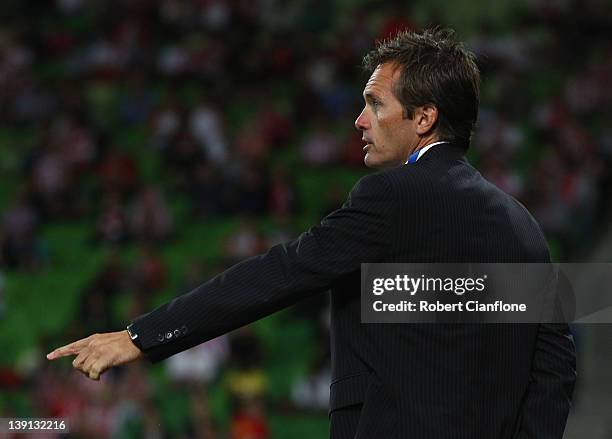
(417, 381)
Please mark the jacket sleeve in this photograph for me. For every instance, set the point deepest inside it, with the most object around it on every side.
(553, 375)
(548, 399)
(357, 232)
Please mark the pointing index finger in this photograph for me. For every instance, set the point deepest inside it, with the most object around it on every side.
(69, 349)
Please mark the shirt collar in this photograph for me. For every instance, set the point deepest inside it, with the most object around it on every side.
(415, 156)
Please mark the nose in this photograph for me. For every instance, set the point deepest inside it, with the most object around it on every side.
(361, 123)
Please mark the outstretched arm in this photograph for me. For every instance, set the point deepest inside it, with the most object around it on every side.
(358, 232)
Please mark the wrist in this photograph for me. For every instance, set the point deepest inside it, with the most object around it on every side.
(133, 336)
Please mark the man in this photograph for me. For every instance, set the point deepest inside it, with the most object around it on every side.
(427, 204)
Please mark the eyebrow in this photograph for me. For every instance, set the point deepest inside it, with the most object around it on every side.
(370, 96)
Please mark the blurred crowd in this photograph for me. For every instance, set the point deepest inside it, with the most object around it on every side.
(140, 117)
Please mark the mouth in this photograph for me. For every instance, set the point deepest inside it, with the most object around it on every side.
(367, 146)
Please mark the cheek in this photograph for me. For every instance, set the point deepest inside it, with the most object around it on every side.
(397, 126)
(387, 128)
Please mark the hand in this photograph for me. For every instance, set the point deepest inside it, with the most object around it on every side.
(99, 352)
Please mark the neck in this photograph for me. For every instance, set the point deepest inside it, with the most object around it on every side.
(424, 141)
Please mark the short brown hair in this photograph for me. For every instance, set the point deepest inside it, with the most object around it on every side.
(437, 70)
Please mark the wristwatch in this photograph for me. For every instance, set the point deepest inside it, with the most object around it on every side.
(133, 336)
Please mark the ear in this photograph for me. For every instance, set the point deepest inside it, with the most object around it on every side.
(426, 118)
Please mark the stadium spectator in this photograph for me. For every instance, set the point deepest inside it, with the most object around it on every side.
(150, 218)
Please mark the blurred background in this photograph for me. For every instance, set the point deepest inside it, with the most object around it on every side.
(148, 145)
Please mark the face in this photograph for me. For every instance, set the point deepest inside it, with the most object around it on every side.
(389, 137)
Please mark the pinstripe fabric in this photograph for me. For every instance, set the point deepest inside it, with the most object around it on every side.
(344, 422)
(422, 381)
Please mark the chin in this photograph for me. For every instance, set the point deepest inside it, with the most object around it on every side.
(376, 162)
(370, 162)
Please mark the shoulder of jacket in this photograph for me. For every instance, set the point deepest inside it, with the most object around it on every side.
(405, 177)
(376, 181)
(398, 179)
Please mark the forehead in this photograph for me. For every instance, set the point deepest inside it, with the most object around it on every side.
(382, 80)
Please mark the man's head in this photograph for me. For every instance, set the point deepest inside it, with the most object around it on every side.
(424, 87)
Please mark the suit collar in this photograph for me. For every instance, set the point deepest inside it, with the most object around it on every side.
(416, 155)
(445, 151)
